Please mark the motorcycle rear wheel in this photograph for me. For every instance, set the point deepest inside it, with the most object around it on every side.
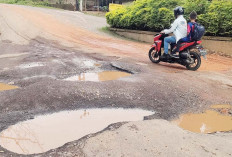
(154, 55)
(197, 61)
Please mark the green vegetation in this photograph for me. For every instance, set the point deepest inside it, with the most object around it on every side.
(218, 19)
(43, 3)
(155, 15)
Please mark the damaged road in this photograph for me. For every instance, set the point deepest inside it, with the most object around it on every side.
(40, 50)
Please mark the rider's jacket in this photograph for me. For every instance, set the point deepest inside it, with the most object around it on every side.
(190, 32)
(179, 28)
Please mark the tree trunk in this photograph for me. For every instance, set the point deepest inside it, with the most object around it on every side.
(85, 5)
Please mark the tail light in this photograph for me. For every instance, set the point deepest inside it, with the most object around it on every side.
(199, 42)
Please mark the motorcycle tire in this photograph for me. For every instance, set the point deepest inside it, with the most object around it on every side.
(154, 55)
(197, 61)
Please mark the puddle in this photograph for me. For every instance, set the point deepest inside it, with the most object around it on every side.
(52, 131)
(224, 106)
(12, 55)
(6, 87)
(30, 65)
(208, 122)
(98, 77)
(88, 63)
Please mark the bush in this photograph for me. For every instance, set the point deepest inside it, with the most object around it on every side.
(218, 19)
(199, 6)
(155, 15)
(144, 15)
(27, 2)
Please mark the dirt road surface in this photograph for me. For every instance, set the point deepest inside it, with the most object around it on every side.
(42, 47)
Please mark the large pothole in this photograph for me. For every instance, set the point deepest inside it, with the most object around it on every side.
(51, 131)
(99, 76)
(216, 119)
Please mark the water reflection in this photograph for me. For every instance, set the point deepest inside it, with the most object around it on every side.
(51, 131)
(101, 76)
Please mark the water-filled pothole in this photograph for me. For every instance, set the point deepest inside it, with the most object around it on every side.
(218, 118)
(51, 131)
(99, 77)
(6, 87)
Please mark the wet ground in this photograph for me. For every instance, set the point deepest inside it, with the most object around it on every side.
(210, 121)
(50, 76)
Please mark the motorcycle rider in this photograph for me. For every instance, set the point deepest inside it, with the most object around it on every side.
(178, 28)
(190, 31)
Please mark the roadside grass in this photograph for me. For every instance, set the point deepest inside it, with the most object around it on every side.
(95, 13)
(34, 3)
(107, 30)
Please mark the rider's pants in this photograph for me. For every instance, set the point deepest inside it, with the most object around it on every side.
(167, 41)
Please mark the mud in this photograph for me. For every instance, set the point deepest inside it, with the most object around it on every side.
(208, 122)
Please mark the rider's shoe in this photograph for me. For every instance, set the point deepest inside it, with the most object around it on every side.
(174, 55)
(165, 56)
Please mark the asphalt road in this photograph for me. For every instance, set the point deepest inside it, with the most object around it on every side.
(41, 47)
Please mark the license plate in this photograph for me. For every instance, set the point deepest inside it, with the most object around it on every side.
(203, 52)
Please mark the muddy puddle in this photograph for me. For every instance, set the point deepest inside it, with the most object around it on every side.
(51, 131)
(4, 87)
(99, 77)
(216, 119)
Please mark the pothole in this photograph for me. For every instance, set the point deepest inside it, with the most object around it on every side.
(99, 77)
(52, 131)
(4, 87)
(216, 119)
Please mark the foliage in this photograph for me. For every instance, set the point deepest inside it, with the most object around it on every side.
(143, 15)
(218, 19)
(27, 2)
(199, 6)
(155, 15)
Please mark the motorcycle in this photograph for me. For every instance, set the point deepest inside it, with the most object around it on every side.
(189, 55)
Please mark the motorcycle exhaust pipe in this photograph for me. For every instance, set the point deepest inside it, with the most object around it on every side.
(184, 55)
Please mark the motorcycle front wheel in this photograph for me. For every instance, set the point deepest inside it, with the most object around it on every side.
(195, 62)
(154, 55)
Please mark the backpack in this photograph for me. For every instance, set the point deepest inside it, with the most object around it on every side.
(198, 32)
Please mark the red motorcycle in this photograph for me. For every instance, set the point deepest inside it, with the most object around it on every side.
(189, 55)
